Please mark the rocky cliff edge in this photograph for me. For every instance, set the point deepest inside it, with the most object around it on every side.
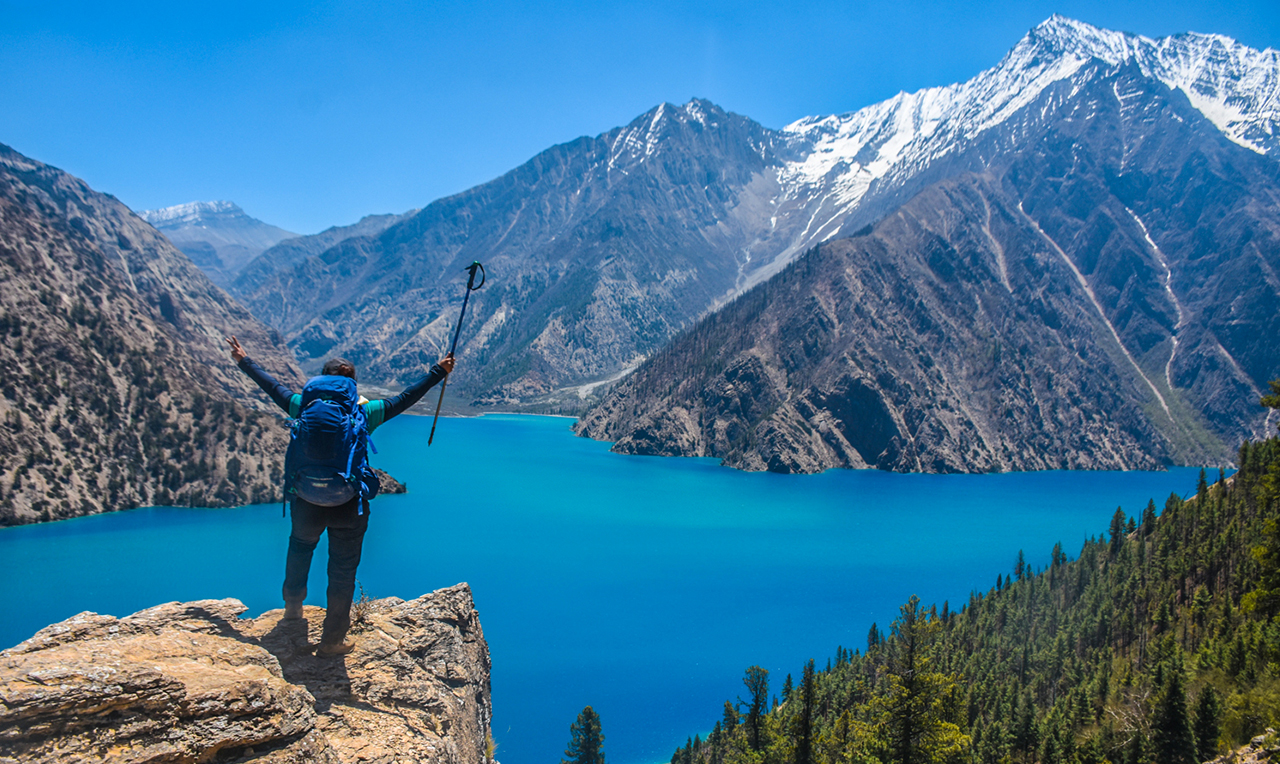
(193, 682)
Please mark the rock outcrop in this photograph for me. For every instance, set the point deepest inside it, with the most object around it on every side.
(388, 484)
(1261, 748)
(193, 682)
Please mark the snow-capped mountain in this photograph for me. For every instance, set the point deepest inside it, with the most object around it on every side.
(838, 168)
(218, 236)
(1092, 282)
(189, 214)
(602, 249)
(1235, 86)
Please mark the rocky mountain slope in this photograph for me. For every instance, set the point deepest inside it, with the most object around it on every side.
(597, 251)
(292, 251)
(1099, 291)
(118, 391)
(194, 682)
(218, 236)
(605, 247)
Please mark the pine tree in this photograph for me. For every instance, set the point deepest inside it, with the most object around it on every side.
(803, 725)
(1059, 556)
(1026, 736)
(730, 718)
(1136, 750)
(757, 682)
(1172, 738)
(913, 715)
(586, 740)
(1149, 518)
(786, 689)
(1266, 597)
(1208, 723)
(1117, 530)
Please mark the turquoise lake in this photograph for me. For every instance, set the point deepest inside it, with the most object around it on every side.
(641, 586)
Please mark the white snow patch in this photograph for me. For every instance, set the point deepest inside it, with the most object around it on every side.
(840, 157)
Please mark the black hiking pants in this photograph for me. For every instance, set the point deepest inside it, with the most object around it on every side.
(346, 526)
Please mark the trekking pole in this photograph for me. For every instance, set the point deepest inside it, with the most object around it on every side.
(472, 286)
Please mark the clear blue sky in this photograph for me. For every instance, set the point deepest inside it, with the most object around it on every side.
(311, 115)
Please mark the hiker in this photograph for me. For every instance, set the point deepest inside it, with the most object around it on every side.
(327, 505)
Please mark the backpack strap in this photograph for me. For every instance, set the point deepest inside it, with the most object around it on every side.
(360, 423)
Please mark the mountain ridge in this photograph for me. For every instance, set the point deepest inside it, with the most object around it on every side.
(293, 250)
(1040, 248)
(583, 248)
(219, 237)
(811, 181)
(119, 391)
(854, 158)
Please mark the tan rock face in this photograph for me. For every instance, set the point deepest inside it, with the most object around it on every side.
(193, 682)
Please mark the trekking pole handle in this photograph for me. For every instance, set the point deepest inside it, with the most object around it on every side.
(472, 286)
(471, 280)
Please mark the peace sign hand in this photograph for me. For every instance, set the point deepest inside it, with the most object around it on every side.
(237, 352)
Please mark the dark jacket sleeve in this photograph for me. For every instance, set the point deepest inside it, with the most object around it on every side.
(401, 403)
(278, 392)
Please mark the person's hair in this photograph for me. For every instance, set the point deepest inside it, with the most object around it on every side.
(340, 367)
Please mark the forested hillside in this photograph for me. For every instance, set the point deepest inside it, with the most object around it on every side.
(1159, 643)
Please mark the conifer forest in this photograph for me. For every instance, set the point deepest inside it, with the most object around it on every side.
(1158, 644)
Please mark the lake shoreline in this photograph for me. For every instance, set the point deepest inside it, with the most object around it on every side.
(519, 506)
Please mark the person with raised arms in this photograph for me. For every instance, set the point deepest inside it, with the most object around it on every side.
(328, 481)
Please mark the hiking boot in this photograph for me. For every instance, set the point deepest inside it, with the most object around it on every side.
(333, 649)
(292, 611)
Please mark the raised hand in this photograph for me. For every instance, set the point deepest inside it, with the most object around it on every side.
(237, 352)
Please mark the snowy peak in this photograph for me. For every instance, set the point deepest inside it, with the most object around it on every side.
(218, 236)
(1235, 86)
(191, 213)
(666, 116)
(1059, 36)
(836, 164)
(667, 127)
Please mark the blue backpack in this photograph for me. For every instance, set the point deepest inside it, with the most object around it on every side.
(327, 462)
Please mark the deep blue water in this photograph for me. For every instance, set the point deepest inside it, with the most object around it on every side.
(641, 586)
